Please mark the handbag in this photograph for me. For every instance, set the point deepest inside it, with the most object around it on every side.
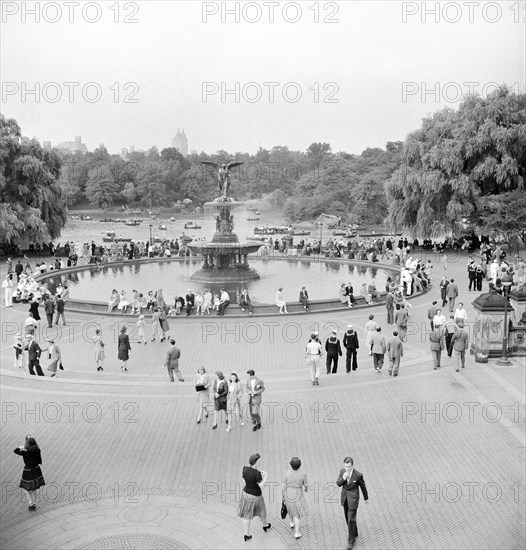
(284, 510)
(200, 388)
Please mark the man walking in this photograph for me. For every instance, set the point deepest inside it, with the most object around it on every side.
(60, 310)
(436, 345)
(313, 355)
(472, 275)
(334, 350)
(389, 305)
(33, 355)
(450, 330)
(49, 308)
(431, 312)
(172, 362)
(460, 345)
(395, 351)
(378, 347)
(351, 481)
(255, 388)
(444, 283)
(401, 319)
(304, 298)
(451, 294)
(350, 342)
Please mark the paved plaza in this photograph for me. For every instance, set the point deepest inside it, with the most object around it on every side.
(126, 465)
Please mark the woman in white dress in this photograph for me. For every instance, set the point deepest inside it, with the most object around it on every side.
(203, 395)
(98, 347)
(233, 407)
(123, 303)
(114, 300)
(20, 355)
(280, 302)
(55, 356)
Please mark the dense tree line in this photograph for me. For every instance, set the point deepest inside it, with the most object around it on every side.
(465, 165)
(457, 166)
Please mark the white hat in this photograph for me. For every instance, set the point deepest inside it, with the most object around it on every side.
(334, 331)
(349, 326)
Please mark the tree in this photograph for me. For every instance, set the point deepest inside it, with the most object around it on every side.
(504, 214)
(149, 184)
(456, 159)
(101, 188)
(31, 201)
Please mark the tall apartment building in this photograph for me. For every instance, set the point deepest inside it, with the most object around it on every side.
(180, 142)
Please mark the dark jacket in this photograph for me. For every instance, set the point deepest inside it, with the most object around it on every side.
(350, 491)
(332, 346)
(350, 340)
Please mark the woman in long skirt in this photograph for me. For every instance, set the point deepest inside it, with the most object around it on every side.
(294, 486)
(252, 502)
(32, 478)
(124, 348)
(163, 321)
(235, 391)
(98, 348)
(202, 379)
(55, 356)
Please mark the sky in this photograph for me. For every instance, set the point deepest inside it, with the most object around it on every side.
(242, 75)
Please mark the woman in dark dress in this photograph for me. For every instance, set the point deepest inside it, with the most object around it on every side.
(220, 396)
(252, 502)
(32, 478)
(33, 308)
(124, 348)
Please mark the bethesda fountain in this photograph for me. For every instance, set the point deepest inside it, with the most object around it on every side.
(225, 259)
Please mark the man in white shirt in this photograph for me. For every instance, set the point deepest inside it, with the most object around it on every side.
(224, 301)
(439, 319)
(461, 314)
(313, 354)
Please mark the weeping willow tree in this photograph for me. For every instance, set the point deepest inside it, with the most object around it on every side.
(31, 201)
(456, 161)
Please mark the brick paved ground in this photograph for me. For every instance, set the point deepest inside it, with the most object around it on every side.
(127, 466)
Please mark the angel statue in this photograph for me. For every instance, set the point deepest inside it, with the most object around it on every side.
(223, 175)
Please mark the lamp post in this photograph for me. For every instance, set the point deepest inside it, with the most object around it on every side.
(151, 234)
(321, 236)
(507, 281)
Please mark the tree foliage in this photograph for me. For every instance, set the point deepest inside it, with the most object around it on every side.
(455, 160)
(31, 201)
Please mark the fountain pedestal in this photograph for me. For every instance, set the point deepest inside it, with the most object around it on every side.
(225, 259)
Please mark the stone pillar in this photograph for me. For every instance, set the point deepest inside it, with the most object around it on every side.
(488, 328)
(517, 339)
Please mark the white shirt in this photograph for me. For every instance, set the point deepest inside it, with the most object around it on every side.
(224, 297)
(313, 348)
(461, 313)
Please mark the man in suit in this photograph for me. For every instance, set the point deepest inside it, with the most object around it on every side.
(451, 294)
(389, 305)
(190, 302)
(401, 319)
(334, 350)
(172, 362)
(255, 388)
(437, 344)
(304, 298)
(378, 347)
(444, 283)
(33, 355)
(49, 308)
(431, 312)
(350, 342)
(460, 343)
(60, 310)
(395, 351)
(351, 481)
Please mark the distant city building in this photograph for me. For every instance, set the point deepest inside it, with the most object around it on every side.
(193, 152)
(46, 145)
(73, 146)
(180, 142)
(132, 148)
